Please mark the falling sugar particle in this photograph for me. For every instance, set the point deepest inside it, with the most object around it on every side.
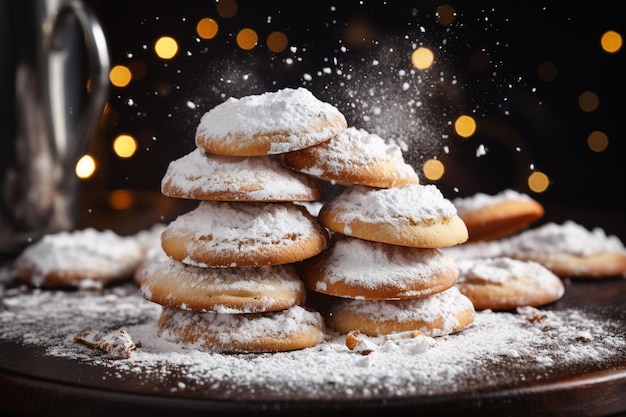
(481, 151)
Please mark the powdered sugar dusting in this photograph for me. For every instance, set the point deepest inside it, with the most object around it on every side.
(287, 111)
(415, 202)
(481, 200)
(262, 224)
(503, 269)
(372, 264)
(568, 237)
(494, 350)
(258, 177)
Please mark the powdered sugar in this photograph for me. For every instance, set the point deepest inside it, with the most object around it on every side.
(503, 269)
(568, 237)
(495, 350)
(414, 202)
(480, 200)
(372, 264)
(259, 178)
(357, 148)
(287, 111)
(229, 226)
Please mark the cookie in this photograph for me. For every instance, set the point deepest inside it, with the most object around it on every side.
(223, 290)
(270, 123)
(413, 215)
(354, 156)
(80, 258)
(437, 315)
(200, 176)
(504, 283)
(490, 217)
(361, 269)
(227, 234)
(285, 330)
(570, 250)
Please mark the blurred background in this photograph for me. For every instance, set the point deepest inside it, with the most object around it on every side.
(482, 96)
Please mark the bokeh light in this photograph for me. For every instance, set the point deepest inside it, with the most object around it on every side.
(588, 101)
(538, 182)
(597, 141)
(120, 76)
(433, 169)
(277, 42)
(547, 71)
(227, 8)
(121, 199)
(124, 146)
(85, 167)
(422, 58)
(445, 15)
(611, 41)
(207, 28)
(166, 47)
(247, 39)
(465, 126)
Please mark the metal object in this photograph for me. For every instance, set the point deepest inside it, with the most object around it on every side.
(54, 67)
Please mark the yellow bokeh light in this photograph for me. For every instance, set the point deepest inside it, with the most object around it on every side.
(465, 126)
(538, 182)
(433, 169)
(445, 15)
(121, 199)
(588, 101)
(277, 42)
(120, 76)
(422, 58)
(166, 47)
(247, 39)
(598, 141)
(85, 167)
(227, 8)
(207, 28)
(611, 41)
(125, 146)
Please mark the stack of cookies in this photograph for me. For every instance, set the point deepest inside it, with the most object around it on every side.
(384, 271)
(226, 275)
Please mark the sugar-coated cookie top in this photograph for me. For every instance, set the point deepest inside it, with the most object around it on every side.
(272, 224)
(502, 269)
(260, 176)
(416, 202)
(357, 147)
(287, 110)
(568, 238)
(372, 264)
(481, 200)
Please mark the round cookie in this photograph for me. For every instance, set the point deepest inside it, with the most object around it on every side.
(227, 234)
(504, 283)
(570, 250)
(361, 269)
(171, 283)
(490, 217)
(270, 123)
(78, 258)
(285, 330)
(201, 176)
(354, 156)
(413, 215)
(437, 315)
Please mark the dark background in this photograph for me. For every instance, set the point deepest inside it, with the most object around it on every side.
(353, 54)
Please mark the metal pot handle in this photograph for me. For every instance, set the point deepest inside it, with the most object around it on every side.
(99, 66)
